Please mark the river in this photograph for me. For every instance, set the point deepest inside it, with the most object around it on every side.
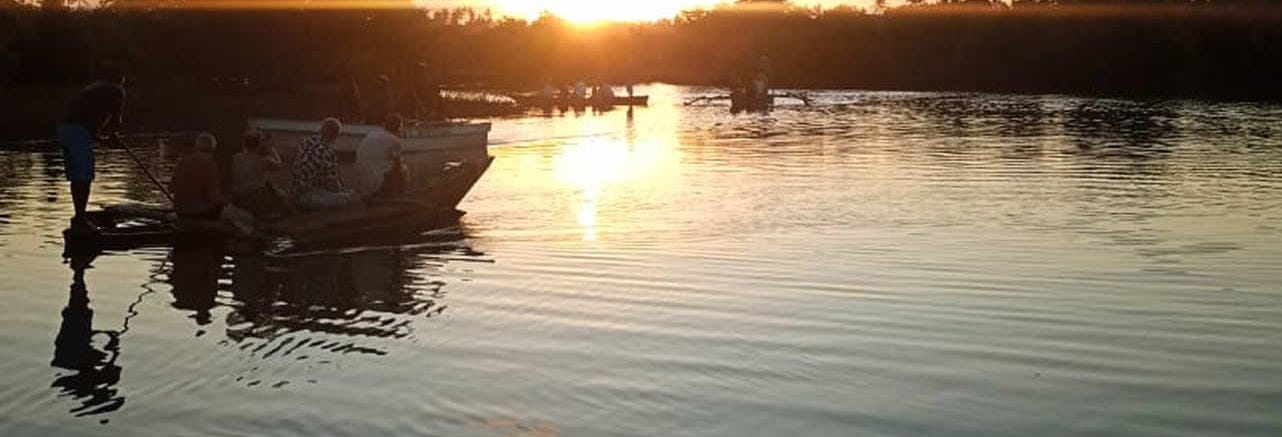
(893, 264)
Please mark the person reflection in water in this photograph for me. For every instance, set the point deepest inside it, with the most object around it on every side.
(96, 371)
(197, 265)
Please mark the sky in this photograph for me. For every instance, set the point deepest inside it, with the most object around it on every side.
(596, 10)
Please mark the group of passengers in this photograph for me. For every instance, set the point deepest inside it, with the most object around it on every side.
(197, 187)
(600, 92)
(315, 184)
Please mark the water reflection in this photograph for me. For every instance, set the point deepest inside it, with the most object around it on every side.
(315, 305)
(76, 348)
(742, 267)
(633, 159)
(1136, 129)
(328, 300)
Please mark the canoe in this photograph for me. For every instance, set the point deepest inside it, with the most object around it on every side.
(540, 101)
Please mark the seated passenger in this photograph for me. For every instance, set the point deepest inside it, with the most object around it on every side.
(378, 159)
(603, 95)
(197, 190)
(252, 170)
(316, 181)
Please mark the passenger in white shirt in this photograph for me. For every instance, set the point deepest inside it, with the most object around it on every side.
(378, 155)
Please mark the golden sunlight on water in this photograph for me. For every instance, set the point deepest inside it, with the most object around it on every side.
(592, 166)
(606, 166)
(875, 264)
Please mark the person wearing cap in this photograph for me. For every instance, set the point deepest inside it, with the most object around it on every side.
(196, 185)
(316, 181)
(93, 116)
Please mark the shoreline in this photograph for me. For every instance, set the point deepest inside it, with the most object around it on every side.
(31, 112)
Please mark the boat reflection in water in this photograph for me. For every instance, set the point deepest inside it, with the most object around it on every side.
(311, 306)
(329, 299)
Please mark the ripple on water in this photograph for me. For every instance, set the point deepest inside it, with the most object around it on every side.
(877, 264)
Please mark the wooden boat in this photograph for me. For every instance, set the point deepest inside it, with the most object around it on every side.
(444, 163)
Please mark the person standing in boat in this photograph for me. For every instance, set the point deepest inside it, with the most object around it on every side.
(94, 116)
(316, 181)
(381, 101)
(428, 102)
(252, 170)
(379, 160)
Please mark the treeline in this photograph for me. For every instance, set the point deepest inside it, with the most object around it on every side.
(1219, 49)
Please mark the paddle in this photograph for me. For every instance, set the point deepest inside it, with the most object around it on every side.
(145, 170)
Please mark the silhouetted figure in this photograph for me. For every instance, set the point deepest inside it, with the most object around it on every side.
(94, 115)
(196, 184)
(427, 95)
(252, 171)
(382, 101)
(317, 184)
(97, 374)
(350, 103)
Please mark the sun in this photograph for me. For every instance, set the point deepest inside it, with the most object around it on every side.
(585, 12)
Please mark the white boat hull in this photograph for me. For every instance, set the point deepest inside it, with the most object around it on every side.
(427, 148)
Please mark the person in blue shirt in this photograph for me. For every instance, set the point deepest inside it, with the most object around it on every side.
(94, 115)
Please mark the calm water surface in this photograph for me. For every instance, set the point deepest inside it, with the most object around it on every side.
(878, 264)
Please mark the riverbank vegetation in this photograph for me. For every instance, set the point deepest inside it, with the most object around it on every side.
(303, 58)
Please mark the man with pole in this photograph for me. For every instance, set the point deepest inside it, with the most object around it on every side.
(94, 115)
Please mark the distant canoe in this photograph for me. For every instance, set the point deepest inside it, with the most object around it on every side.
(541, 102)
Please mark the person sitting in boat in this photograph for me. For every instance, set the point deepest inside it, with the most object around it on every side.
(580, 90)
(252, 171)
(563, 94)
(603, 95)
(198, 193)
(379, 161)
(196, 185)
(316, 181)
